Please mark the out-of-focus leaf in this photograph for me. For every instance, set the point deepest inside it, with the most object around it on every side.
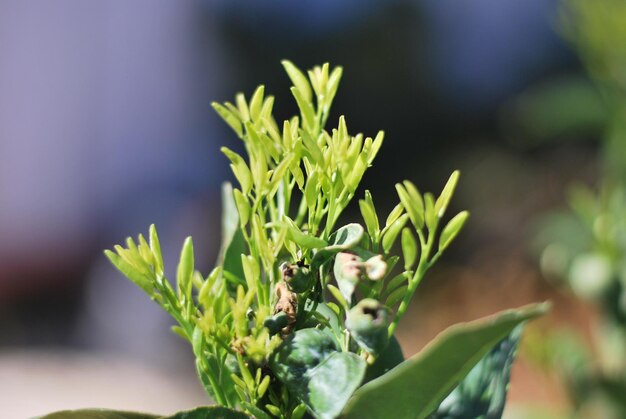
(98, 414)
(560, 108)
(298, 79)
(415, 388)
(209, 412)
(386, 360)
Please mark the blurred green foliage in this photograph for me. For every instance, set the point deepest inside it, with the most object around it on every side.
(584, 247)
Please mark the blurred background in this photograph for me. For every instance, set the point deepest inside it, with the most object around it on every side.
(106, 127)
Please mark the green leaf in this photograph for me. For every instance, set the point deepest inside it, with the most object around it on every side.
(415, 388)
(240, 170)
(298, 79)
(184, 272)
(368, 212)
(452, 229)
(344, 238)
(430, 215)
(409, 248)
(299, 353)
(304, 240)
(388, 359)
(233, 242)
(395, 213)
(256, 102)
(209, 412)
(482, 393)
(306, 109)
(332, 382)
(338, 295)
(98, 414)
(229, 117)
(332, 85)
(414, 208)
(130, 272)
(243, 207)
(392, 233)
(155, 246)
(242, 106)
(446, 194)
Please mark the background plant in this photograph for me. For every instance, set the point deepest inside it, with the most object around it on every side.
(584, 247)
(298, 316)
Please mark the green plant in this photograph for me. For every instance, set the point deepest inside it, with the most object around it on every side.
(298, 317)
(584, 246)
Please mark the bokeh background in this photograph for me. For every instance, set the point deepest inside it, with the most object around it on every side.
(106, 127)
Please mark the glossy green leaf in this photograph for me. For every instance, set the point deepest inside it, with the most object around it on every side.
(298, 79)
(409, 248)
(415, 388)
(98, 414)
(332, 382)
(299, 353)
(446, 194)
(452, 229)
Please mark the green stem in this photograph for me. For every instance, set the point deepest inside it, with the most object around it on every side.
(422, 267)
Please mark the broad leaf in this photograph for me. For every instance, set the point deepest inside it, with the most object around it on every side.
(482, 393)
(388, 359)
(209, 412)
(415, 388)
(332, 383)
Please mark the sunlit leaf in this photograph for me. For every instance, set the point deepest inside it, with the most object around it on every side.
(415, 388)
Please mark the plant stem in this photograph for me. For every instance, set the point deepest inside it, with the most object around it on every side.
(422, 267)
